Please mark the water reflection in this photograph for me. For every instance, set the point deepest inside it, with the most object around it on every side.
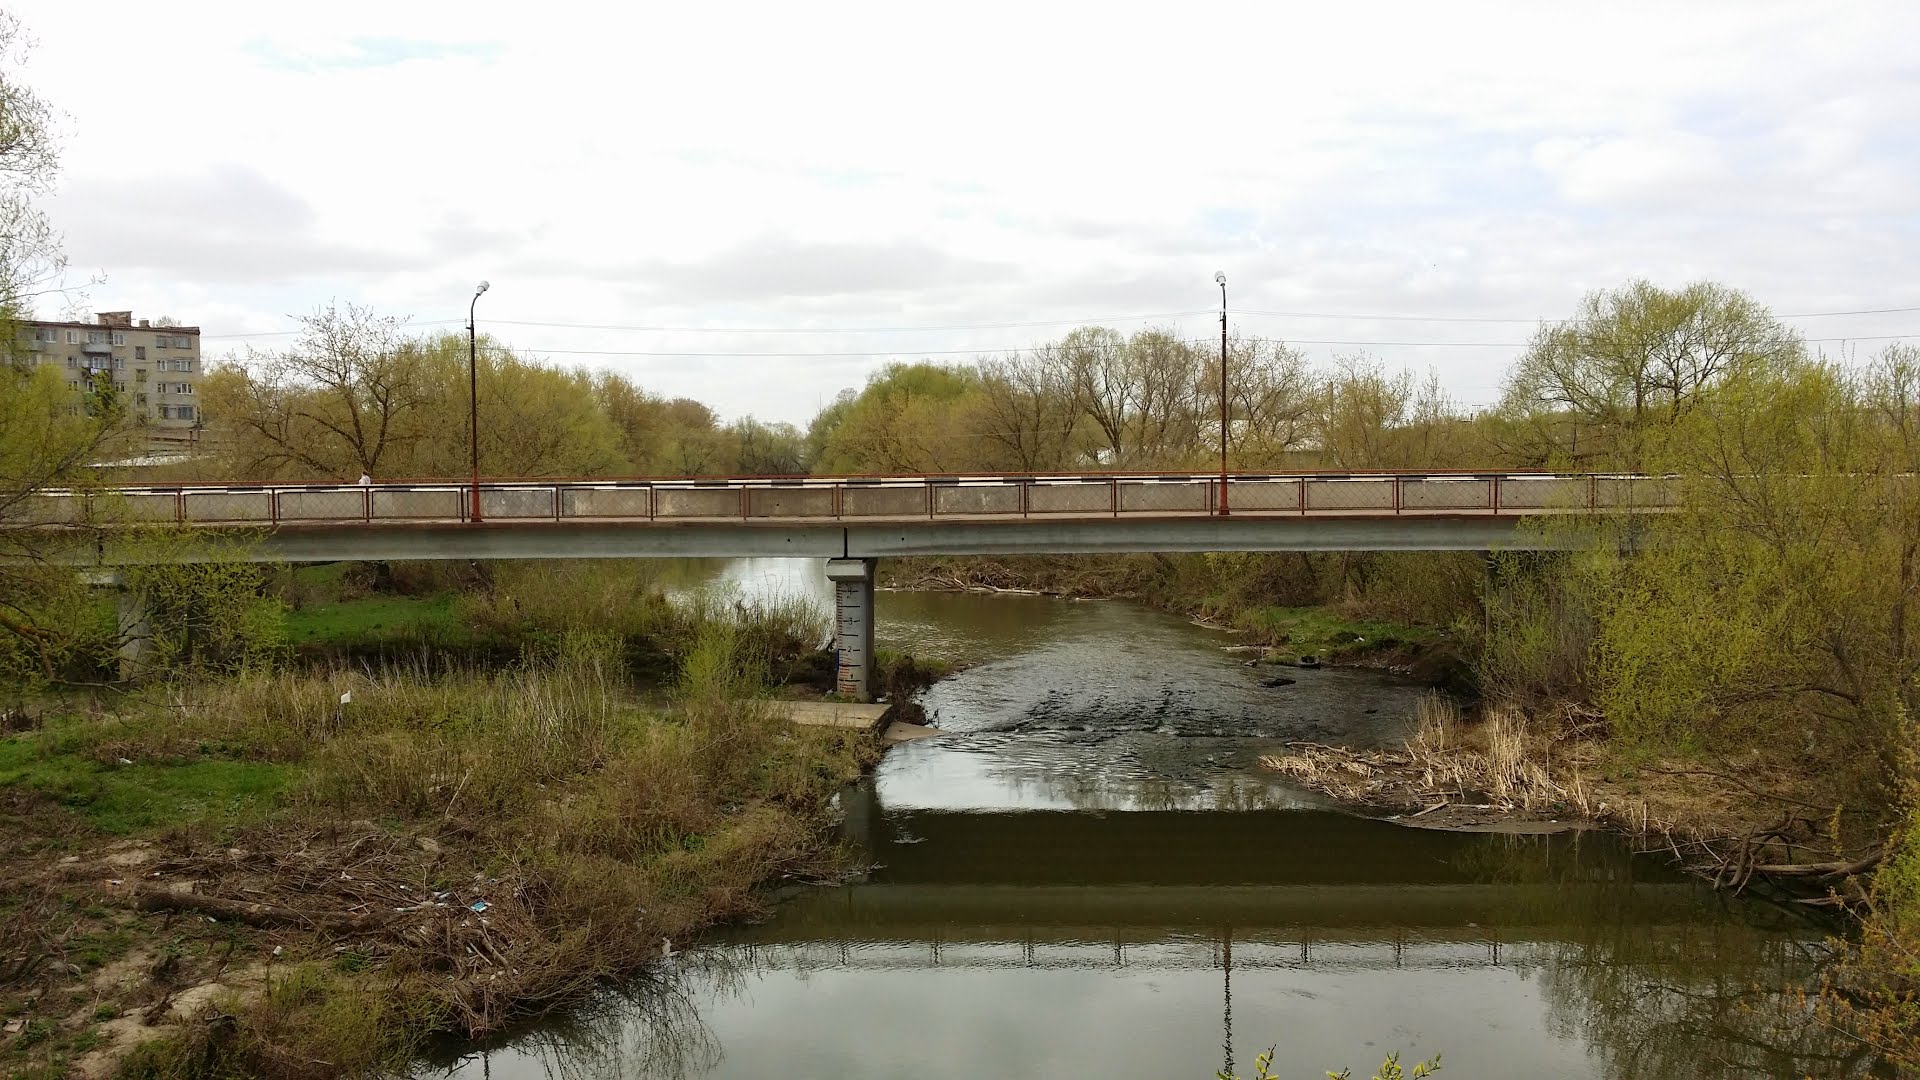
(1129, 944)
(1086, 876)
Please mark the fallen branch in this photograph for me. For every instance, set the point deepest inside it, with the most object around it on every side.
(152, 898)
(1822, 869)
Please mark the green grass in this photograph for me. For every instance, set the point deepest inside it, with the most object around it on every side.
(1314, 631)
(374, 619)
(124, 799)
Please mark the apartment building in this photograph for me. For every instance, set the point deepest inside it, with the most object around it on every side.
(152, 368)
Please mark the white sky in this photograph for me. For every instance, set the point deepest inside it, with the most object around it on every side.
(906, 165)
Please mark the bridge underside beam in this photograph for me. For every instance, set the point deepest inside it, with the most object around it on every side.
(605, 540)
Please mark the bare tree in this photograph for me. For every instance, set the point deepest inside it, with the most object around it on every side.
(1270, 397)
(341, 401)
(1027, 409)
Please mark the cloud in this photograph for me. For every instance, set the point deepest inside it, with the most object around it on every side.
(896, 166)
(782, 268)
(356, 53)
(230, 223)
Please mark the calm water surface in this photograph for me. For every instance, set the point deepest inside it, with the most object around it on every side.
(1086, 876)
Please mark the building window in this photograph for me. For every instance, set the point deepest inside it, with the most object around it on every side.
(73, 384)
(140, 375)
(139, 399)
(186, 365)
(119, 337)
(139, 352)
(73, 337)
(100, 337)
(45, 333)
(186, 388)
(73, 361)
(119, 363)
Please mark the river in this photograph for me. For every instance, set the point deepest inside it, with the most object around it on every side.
(1086, 875)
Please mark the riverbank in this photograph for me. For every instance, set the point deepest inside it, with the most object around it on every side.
(295, 875)
(447, 805)
(1494, 770)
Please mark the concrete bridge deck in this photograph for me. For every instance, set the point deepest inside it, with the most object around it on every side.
(867, 517)
(849, 521)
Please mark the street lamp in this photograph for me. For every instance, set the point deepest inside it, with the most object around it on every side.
(473, 401)
(1220, 278)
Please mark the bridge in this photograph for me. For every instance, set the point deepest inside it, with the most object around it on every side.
(851, 521)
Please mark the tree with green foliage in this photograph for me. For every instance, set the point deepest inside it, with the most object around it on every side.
(1632, 362)
(910, 418)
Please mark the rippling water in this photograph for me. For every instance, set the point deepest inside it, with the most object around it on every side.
(1086, 876)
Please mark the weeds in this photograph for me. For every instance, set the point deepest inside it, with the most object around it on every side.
(395, 849)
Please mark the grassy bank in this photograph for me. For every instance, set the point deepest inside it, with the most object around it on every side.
(307, 870)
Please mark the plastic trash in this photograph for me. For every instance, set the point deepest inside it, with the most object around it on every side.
(478, 905)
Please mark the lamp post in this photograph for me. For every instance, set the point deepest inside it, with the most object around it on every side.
(473, 402)
(1220, 278)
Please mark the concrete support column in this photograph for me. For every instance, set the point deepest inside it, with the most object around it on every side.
(136, 633)
(134, 627)
(853, 626)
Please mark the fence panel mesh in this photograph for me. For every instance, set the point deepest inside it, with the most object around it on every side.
(229, 506)
(340, 505)
(696, 502)
(1177, 497)
(790, 502)
(437, 505)
(1070, 498)
(1256, 495)
(517, 503)
(49, 510)
(606, 502)
(1543, 493)
(1431, 494)
(967, 499)
(1364, 493)
(907, 500)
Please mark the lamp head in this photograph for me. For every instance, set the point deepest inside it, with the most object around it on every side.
(1219, 277)
(481, 289)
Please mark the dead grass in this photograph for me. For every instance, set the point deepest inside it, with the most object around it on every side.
(452, 851)
(1502, 766)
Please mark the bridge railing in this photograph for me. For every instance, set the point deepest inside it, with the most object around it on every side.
(860, 499)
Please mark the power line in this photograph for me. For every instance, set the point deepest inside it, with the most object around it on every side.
(1537, 319)
(678, 353)
(775, 329)
(852, 329)
(952, 327)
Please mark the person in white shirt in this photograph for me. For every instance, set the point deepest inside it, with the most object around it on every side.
(365, 480)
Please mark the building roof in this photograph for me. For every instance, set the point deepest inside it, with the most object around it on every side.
(107, 326)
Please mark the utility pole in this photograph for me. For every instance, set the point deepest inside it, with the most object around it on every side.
(473, 403)
(1221, 278)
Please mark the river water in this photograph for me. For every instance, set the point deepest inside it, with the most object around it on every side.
(1088, 876)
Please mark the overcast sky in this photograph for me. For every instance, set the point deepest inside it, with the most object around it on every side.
(973, 165)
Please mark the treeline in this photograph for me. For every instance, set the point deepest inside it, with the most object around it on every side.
(1589, 392)
(356, 393)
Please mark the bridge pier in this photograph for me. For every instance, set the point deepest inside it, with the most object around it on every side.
(133, 625)
(853, 626)
(136, 633)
